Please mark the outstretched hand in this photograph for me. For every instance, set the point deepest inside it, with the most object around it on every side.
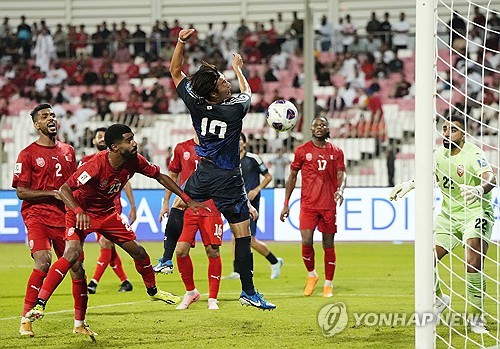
(185, 34)
(237, 61)
(195, 205)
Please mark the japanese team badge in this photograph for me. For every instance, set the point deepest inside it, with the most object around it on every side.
(460, 170)
(309, 156)
(186, 155)
(40, 162)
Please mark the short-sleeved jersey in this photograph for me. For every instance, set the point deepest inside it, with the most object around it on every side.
(319, 168)
(218, 126)
(252, 167)
(86, 159)
(96, 184)
(464, 168)
(184, 160)
(44, 168)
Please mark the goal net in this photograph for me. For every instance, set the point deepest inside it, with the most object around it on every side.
(467, 64)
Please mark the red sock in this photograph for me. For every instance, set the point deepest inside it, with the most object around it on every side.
(56, 275)
(214, 273)
(330, 260)
(145, 268)
(102, 263)
(81, 298)
(308, 257)
(116, 265)
(34, 284)
(185, 266)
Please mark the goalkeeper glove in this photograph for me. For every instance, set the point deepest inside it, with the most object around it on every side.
(471, 193)
(401, 190)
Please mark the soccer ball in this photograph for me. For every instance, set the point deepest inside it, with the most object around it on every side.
(282, 115)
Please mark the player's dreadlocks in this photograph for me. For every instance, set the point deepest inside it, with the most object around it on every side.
(204, 81)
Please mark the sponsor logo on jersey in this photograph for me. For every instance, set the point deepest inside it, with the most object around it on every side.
(309, 156)
(71, 231)
(186, 155)
(56, 158)
(103, 183)
(40, 162)
(68, 158)
(482, 162)
(84, 177)
(18, 168)
(460, 170)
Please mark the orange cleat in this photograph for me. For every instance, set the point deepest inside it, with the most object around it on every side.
(310, 285)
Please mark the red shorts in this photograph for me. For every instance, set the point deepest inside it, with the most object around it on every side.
(210, 229)
(323, 219)
(112, 227)
(42, 237)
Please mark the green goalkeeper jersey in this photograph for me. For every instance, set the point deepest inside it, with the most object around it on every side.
(464, 168)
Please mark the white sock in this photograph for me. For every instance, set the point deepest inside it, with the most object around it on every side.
(24, 319)
(192, 292)
(312, 273)
(79, 323)
(94, 281)
(212, 299)
(329, 283)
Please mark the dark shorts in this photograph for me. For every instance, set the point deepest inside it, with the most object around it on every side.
(253, 224)
(225, 187)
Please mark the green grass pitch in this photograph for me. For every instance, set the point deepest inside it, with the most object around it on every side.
(370, 277)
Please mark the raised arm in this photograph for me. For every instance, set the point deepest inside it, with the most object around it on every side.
(242, 81)
(178, 55)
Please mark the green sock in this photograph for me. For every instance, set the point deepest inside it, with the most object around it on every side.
(476, 285)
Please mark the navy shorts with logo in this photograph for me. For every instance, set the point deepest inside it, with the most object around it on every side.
(225, 187)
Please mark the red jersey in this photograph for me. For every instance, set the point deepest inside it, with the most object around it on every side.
(96, 184)
(184, 160)
(44, 168)
(319, 174)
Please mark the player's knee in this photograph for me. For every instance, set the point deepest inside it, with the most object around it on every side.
(140, 253)
(72, 253)
(106, 244)
(43, 260)
(307, 241)
(182, 250)
(77, 271)
(474, 263)
(212, 251)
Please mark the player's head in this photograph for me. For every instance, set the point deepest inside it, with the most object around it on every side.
(320, 129)
(119, 139)
(98, 140)
(454, 132)
(44, 119)
(210, 84)
(243, 142)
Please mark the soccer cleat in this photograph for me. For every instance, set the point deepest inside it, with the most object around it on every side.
(233, 276)
(328, 291)
(188, 299)
(26, 329)
(36, 313)
(310, 285)
(166, 267)
(442, 302)
(92, 287)
(213, 304)
(276, 268)
(85, 329)
(257, 300)
(478, 325)
(126, 286)
(166, 297)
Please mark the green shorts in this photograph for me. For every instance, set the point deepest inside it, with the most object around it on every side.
(451, 232)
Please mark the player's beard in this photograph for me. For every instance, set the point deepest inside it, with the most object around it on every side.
(101, 146)
(449, 144)
(130, 154)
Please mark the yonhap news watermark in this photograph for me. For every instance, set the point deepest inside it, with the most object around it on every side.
(334, 318)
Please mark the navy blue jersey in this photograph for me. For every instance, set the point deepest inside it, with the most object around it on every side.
(218, 126)
(252, 167)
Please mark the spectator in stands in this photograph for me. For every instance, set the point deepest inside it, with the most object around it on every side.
(105, 34)
(108, 76)
(400, 30)
(103, 109)
(373, 25)
(8, 90)
(4, 109)
(493, 34)
(373, 43)
(338, 36)
(457, 26)
(349, 31)
(280, 165)
(44, 50)
(386, 31)
(325, 34)
(139, 40)
(98, 44)
(358, 45)
(255, 82)
(269, 74)
(60, 38)
(87, 97)
(160, 102)
(122, 54)
(242, 32)
(56, 75)
(81, 42)
(348, 94)
(349, 65)
(176, 105)
(299, 78)
(396, 65)
(11, 47)
(124, 33)
(62, 96)
(144, 148)
(297, 30)
(479, 21)
(24, 37)
(5, 28)
(174, 32)
(401, 88)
